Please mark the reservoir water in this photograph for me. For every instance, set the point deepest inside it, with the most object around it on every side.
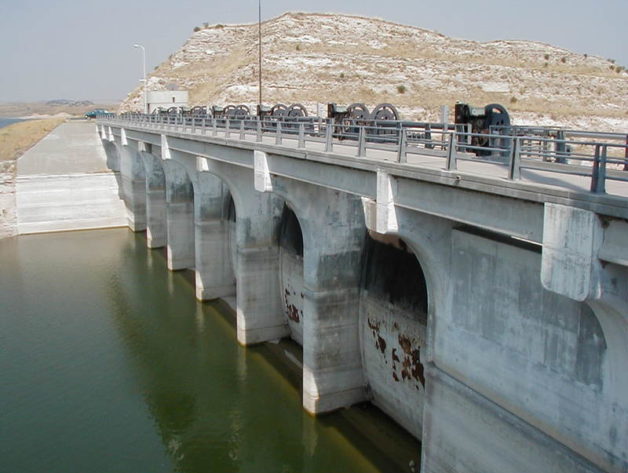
(109, 364)
(5, 121)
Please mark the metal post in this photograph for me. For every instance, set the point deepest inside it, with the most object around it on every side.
(451, 152)
(301, 136)
(428, 137)
(402, 152)
(514, 172)
(626, 155)
(329, 136)
(361, 142)
(204, 124)
(228, 128)
(242, 135)
(278, 137)
(259, 130)
(598, 176)
(214, 127)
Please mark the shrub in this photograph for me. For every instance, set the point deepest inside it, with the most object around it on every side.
(513, 99)
(545, 65)
(563, 60)
(401, 89)
(546, 56)
(298, 47)
(342, 75)
(197, 29)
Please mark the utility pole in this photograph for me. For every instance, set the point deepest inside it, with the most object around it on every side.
(144, 80)
(259, 31)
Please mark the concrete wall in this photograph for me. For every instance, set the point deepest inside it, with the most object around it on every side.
(8, 211)
(166, 99)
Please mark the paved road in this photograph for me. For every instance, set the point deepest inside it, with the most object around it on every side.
(72, 148)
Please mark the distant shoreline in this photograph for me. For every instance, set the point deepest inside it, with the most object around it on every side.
(6, 121)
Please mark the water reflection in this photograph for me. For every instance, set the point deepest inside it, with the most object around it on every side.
(109, 364)
(218, 406)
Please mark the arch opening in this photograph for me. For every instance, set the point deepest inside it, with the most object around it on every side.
(291, 281)
(393, 329)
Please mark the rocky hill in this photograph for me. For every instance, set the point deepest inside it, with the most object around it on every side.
(319, 58)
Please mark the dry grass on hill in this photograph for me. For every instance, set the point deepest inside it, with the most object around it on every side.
(320, 58)
(19, 137)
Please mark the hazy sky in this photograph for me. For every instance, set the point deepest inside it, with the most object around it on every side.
(83, 49)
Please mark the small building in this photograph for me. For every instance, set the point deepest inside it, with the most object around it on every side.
(166, 99)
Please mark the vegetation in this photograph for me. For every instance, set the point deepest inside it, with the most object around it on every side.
(19, 137)
(401, 89)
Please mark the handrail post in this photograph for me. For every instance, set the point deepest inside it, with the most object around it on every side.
(214, 127)
(204, 124)
(451, 152)
(329, 136)
(598, 175)
(228, 128)
(361, 142)
(514, 171)
(259, 130)
(278, 137)
(402, 152)
(301, 136)
(626, 155)
(242, 135)
(193, 127)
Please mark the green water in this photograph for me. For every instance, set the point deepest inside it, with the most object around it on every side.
(108, 364)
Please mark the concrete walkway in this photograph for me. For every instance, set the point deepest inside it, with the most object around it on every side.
(63, 183)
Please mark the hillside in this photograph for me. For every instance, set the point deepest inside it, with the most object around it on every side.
(320, 58)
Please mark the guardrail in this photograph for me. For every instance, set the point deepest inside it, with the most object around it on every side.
(598, 156)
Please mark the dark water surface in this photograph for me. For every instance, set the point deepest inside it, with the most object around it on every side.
(108, 364)
(4, 121)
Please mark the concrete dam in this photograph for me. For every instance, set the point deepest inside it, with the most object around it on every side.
(481, 304)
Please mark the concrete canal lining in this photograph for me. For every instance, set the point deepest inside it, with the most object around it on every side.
(63, 183)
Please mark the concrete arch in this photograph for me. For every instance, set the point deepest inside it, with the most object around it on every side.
(258, 305)
(113, 157)
(332, 226)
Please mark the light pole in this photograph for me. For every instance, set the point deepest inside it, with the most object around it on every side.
(144, 80)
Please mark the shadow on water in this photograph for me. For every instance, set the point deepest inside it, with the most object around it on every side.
(221, 407)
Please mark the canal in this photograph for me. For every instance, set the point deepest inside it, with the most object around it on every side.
(109, 364)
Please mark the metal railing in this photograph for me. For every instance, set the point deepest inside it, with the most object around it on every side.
(600, 157)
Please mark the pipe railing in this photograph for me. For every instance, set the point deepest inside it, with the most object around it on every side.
(597, 155)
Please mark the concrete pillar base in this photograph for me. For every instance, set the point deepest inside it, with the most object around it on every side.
(214, 274)
(180, 249)
(332, 364)
(156, 218)
(259, 312)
